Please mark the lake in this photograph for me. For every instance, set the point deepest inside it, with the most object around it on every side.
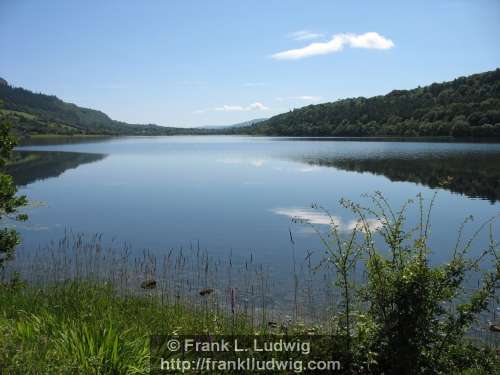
(237, 196)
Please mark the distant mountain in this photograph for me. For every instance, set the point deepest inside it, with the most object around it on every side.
(32, 113)
(238, 125)
(466, 106)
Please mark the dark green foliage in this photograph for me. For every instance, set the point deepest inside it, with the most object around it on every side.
(9, 201)
(467, 106)
(474, 175)
(408, 316)
(33, 113)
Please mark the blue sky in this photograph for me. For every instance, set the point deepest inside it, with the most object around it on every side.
(193, 63)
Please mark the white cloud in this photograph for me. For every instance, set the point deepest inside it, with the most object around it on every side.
(308, 215)
(305, 35)
(373, 225)
(321, 218)
(370, 40)
(257, 106)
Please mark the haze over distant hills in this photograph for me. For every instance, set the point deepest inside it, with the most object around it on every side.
(238, 125)
(466, 106)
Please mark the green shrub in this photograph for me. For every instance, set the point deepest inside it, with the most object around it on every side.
(408, 316)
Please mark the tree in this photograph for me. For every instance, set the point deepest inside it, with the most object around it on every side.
(460, 127)
(444, 109)
(9, 200)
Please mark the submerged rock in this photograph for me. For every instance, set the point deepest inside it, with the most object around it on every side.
(495, 327)
(206, 291)
(148, 284)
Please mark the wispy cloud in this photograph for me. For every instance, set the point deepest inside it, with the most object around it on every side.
(370, 40)
(303, 214)
(257, 106)
(321, 218)
(305, 35)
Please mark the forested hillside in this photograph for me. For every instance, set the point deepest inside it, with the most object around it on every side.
(466, 106)
(32, 113)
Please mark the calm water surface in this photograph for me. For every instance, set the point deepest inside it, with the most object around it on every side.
(238, 194)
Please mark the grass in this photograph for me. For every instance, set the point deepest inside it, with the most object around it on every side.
(17, 113)
(88, 328)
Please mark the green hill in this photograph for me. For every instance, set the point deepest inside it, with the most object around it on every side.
(466, 106)
(32, 113)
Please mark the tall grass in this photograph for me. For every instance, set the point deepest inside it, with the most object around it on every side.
(239, 284)
(79, 327)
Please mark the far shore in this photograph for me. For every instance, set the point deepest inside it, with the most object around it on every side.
(25, 139)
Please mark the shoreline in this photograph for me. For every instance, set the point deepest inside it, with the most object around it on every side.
(392, 138)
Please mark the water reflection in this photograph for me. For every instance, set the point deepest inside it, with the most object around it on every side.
(238, 195)
(321, 217)
(28, 167)
(64, 140)
(476, 175)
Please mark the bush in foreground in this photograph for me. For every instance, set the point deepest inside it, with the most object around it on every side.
(405, 315)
